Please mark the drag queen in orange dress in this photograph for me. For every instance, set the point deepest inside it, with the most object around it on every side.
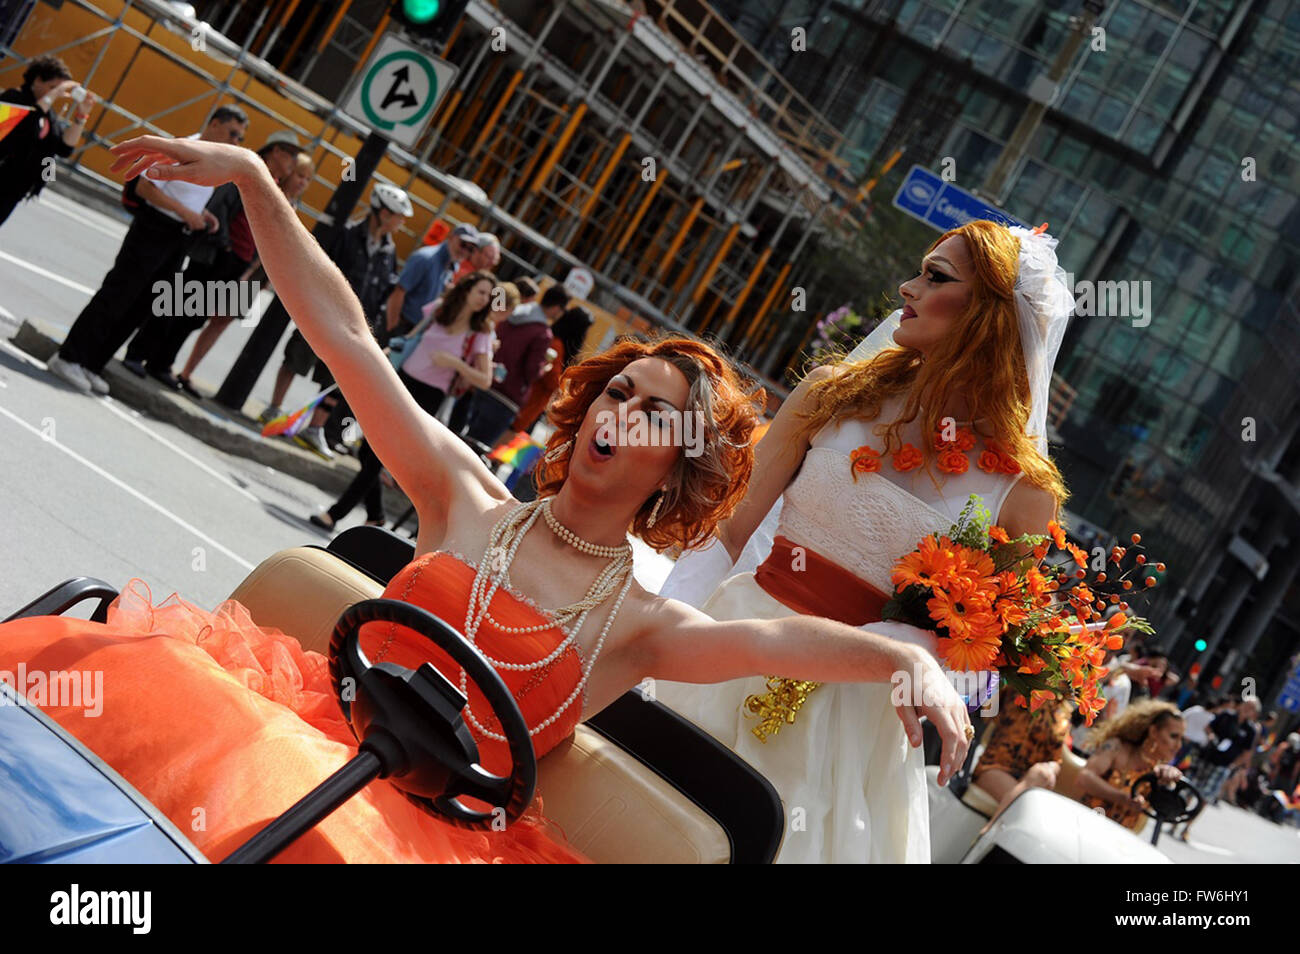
(223, 724)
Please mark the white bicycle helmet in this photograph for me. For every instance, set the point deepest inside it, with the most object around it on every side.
(384, 195)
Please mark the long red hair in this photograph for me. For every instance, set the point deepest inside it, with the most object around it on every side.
(705, 489)
(982, 360)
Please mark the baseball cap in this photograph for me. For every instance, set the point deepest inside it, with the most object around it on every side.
(467, 234)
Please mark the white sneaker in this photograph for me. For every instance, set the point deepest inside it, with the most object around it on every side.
(97, 384)
(313, 438)
(73, 374)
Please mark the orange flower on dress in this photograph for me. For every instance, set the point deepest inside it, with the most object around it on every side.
(865, 460)
(1009, 465)
(963, 440)
(953, 461)
(907, 458)
(989, 462)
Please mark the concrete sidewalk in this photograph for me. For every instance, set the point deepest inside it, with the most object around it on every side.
(228, 431)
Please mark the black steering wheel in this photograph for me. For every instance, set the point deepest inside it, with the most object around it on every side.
(413, 719)
(1167, 804)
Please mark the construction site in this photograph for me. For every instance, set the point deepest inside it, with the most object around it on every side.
(645, 142)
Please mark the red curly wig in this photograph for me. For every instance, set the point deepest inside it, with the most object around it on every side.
(704, 490)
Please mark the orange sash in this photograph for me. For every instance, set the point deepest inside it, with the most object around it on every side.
(812, 585)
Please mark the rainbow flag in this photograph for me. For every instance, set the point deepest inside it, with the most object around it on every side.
(288, 425)
(10, 116)
(520, 452)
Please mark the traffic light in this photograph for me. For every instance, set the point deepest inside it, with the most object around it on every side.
(430, 19)
(1200, 645)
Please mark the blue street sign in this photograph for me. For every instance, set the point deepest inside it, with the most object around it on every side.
(942, 205)
(1290, 698)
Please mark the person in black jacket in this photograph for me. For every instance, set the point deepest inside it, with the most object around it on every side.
(223, 260)
(170, 211)
(366, 255)
(26, 153)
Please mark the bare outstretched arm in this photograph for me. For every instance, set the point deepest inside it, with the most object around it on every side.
(433, 466)
(680, 643)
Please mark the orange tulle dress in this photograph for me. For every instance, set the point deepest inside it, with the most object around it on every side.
(223, 724)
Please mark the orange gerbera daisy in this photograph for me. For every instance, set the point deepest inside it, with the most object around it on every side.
(974, 568)
(999, 535)
(907, 458)
(929, 565)
(954, 609)
(969, 653)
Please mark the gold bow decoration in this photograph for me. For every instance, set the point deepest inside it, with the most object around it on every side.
(779, 705)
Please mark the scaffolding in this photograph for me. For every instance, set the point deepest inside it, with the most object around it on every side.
(646, 142)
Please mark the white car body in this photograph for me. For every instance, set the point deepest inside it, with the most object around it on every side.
(1039, 827)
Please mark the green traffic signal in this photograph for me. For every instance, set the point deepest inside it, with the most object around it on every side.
(1200, 645)
(421, 11)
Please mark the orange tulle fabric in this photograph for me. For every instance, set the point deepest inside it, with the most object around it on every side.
(223, 724)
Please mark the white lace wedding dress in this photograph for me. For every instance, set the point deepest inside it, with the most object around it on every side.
(852, 786)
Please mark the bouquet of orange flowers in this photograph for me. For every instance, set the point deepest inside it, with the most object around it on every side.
(998, 603)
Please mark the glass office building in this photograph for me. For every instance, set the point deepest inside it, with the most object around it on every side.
(1170, 157)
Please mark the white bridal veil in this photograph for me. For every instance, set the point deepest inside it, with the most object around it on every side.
(1043, 306)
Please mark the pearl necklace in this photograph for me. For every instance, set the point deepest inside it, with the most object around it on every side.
(503, 545)
(575, 541)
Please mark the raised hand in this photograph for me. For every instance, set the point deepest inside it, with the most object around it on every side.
(190, 160)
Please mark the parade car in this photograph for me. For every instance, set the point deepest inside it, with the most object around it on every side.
(636, 782)
(1046, 827)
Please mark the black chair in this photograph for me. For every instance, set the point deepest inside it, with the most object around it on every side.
(60, 599)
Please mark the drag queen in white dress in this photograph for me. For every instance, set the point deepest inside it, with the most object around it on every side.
(836, 499)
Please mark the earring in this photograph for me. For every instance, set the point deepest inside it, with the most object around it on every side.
(654, 513)
(558, 451)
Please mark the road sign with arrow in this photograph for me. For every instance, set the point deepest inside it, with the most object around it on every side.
(398, 90)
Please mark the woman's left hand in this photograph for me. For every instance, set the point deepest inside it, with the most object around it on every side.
(937, 700)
